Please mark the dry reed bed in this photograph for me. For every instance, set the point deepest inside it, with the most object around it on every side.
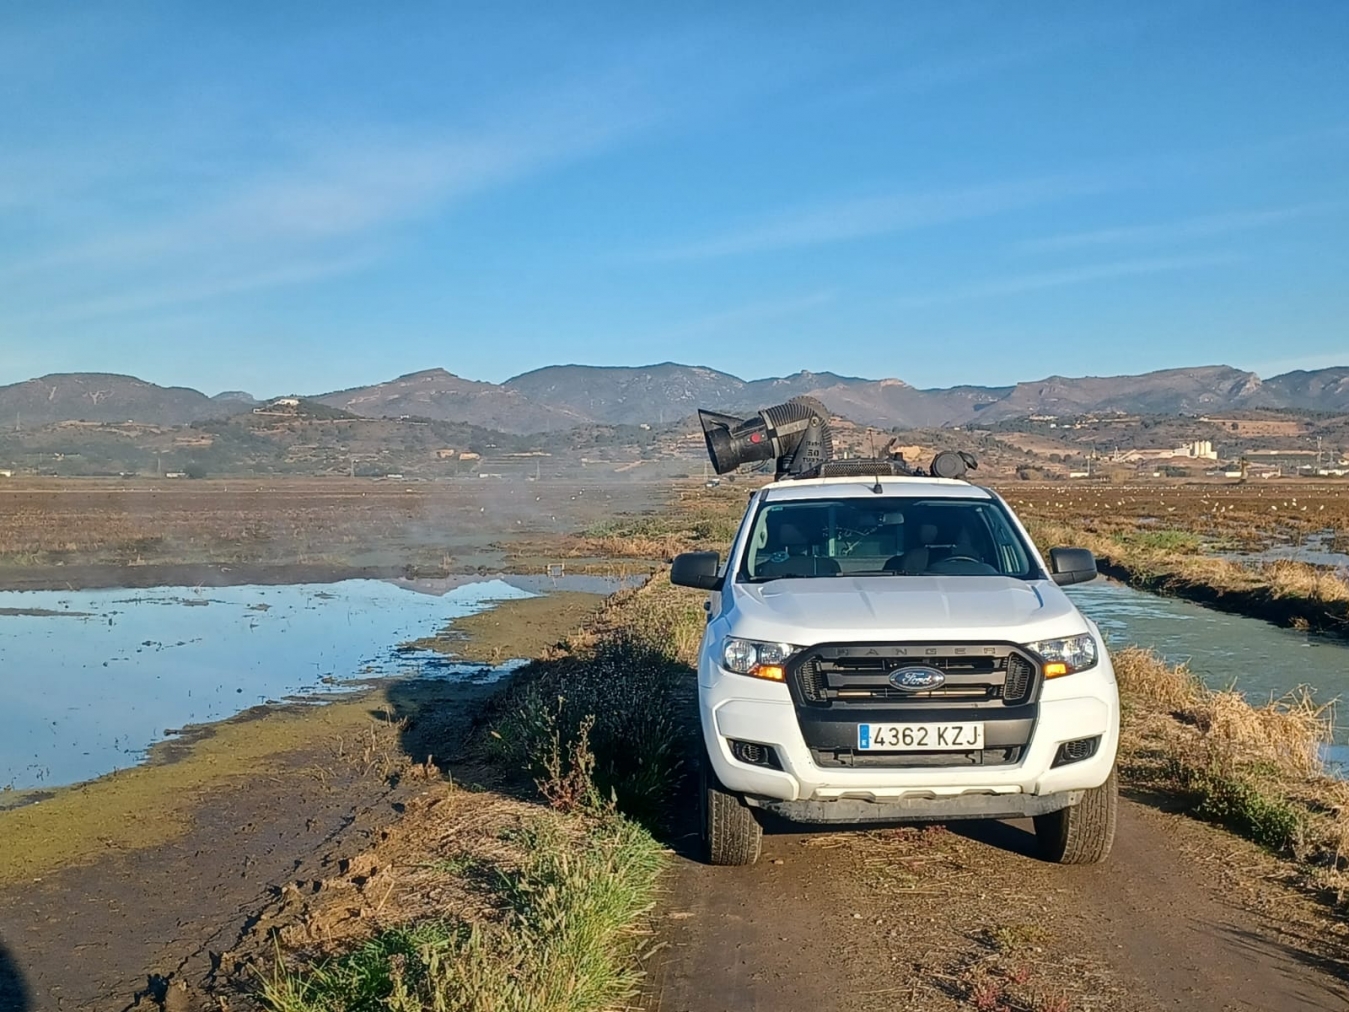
(1255, 767)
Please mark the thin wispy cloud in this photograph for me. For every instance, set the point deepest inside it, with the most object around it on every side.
(1070, 276)
(202, 290)
(750, 313)
(864, 217)
(972, 46)
(1199, 227)
(328, 209)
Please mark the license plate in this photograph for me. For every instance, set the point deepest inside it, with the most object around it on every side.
(920, 737)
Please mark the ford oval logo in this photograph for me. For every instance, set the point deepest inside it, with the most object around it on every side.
(916, 679)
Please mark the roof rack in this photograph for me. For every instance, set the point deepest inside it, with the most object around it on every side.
(954, 464)
(860, 467)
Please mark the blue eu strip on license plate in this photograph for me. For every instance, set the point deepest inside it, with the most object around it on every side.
(864, 732)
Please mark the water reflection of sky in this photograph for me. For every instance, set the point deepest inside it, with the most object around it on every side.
(87, 690)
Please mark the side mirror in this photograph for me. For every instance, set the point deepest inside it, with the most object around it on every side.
(1071, 565)
(697, 570)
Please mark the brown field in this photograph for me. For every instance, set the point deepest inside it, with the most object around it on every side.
(1237, 516)
(55, 527)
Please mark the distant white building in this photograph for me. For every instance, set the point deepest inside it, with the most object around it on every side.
(1200, 449)
(280, 406)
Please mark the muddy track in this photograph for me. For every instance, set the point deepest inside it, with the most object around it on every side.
(96, 936)
(1182, 916)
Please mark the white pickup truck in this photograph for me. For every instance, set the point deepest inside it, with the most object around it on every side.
(894, 648)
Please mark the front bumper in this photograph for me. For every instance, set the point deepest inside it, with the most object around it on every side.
(733, 707)
(919, 809)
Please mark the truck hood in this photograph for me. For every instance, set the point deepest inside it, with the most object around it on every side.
(843, 609)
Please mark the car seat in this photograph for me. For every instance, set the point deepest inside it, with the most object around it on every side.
(914, 561)
(797, 561)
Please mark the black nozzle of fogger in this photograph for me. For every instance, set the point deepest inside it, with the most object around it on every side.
(734, 441)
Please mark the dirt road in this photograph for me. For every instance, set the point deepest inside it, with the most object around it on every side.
(1182, 916)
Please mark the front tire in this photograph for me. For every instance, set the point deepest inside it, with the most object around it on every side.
(1084, 833)
(731, 833)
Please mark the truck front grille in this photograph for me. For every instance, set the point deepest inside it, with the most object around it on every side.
(977, 674)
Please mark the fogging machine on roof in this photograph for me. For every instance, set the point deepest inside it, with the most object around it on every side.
(797, 437)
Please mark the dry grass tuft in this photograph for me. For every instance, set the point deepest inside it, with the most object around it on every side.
(1142, 674)
(1287, 732)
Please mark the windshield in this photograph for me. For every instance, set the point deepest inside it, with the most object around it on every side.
(885, 536)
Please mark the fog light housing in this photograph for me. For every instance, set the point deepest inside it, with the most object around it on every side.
(1076, 751)
(751, 753)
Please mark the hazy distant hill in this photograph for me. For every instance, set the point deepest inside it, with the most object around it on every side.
(557, 398)
(441, 395)
(665, 392)
(1168, 391)
(235, 400)
(668, 391)
(103, 397)
(654, 394)
(619, 394)
(1321, 390)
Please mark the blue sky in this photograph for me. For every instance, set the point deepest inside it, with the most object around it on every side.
(281, 197)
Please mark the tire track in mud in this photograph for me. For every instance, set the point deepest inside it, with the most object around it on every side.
(1181, 916)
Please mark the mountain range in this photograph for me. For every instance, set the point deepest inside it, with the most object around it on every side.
(561, 397)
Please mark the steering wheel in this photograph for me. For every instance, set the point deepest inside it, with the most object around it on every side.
(963, 558)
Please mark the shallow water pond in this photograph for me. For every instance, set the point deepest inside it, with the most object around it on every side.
(1319, 549)
(91, 679)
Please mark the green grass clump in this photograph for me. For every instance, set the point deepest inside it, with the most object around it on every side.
(1185, 542)
(1237, 802)
(563, 944)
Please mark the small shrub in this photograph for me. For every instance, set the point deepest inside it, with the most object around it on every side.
(568, 780)
(1238, 803)
(634, 703)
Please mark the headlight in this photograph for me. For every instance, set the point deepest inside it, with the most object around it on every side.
(758, 660)
(1066, 656)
